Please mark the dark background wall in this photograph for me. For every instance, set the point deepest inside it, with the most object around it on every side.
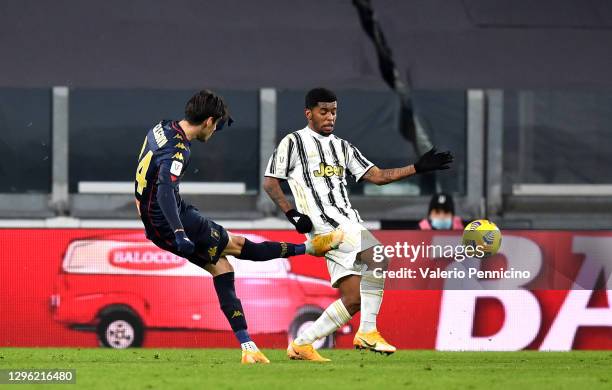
(25, 140)
(296, 44)
(114, 123)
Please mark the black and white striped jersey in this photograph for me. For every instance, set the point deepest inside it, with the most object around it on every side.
(316, 168)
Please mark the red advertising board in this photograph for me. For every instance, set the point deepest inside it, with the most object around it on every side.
(56, 283)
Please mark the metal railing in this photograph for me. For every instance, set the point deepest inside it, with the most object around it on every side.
(483, 195)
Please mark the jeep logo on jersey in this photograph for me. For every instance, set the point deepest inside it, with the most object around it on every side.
(329, 170)
(144, 258)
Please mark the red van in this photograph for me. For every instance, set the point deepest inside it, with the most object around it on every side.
(122, 285)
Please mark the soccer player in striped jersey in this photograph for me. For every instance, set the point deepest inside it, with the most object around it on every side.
(316, 164)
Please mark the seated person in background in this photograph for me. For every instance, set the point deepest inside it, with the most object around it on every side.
(441, 214)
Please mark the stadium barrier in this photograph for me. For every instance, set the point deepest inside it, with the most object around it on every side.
(56, 283)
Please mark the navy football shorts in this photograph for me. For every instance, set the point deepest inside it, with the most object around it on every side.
(210, 238)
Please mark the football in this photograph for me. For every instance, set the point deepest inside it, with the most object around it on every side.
(484, 234)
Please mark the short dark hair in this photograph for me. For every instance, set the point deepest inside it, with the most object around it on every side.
(316, 95)
(203, 105)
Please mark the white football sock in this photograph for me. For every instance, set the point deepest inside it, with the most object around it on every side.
(249, 346)
(309, 248)
(371, 289)
(332, 318)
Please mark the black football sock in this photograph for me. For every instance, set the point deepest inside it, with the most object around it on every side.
(269, 250)
(231, 306)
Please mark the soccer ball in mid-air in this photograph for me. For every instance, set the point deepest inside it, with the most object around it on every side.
(484, 234)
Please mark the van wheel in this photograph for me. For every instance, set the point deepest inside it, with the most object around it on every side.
(120, 329)
(302, 322)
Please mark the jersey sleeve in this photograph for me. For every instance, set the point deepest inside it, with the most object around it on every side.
(170, 169)
(356, 163)
(171, 159)
(283, 160)
(170, 164)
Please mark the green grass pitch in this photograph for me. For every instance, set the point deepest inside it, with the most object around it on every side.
(220, 369)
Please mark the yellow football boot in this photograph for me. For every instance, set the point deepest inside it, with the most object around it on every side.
(374, 342)
(253, 357)
(320, 244)
(304, 352)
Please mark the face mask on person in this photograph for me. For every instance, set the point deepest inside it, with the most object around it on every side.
(441, 223)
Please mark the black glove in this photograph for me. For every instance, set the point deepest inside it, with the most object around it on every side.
(183, 244)
(302, 222)
(432, 161)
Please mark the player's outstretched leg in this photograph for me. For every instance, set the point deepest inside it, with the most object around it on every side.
(371, 290)
(245, 249)
(223, 279)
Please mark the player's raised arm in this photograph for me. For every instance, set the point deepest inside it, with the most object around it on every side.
(430, 161)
